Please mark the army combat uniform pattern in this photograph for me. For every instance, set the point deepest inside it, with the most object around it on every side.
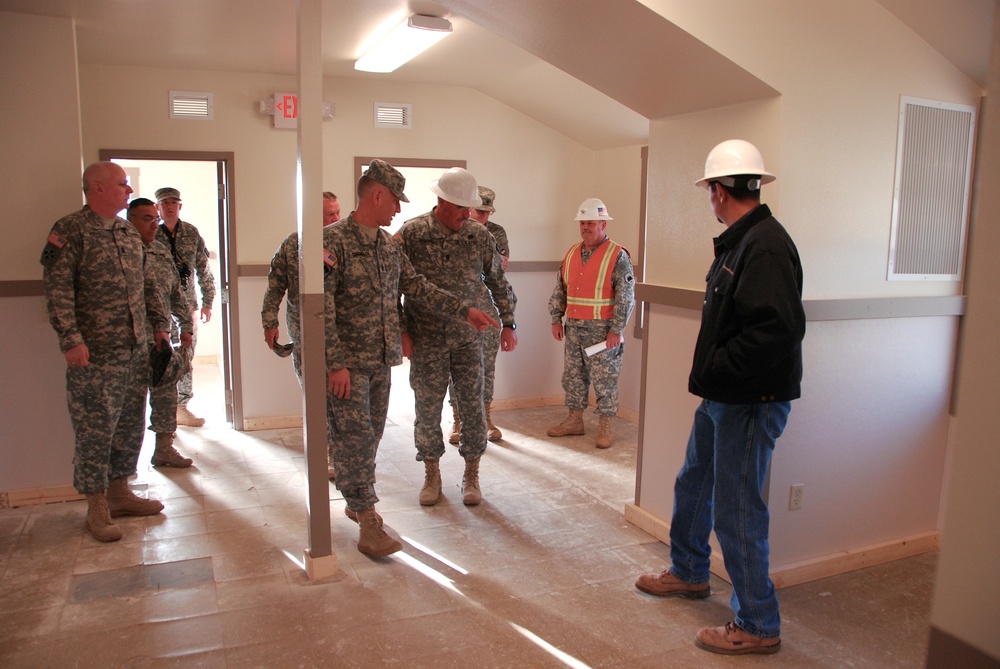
(99, 292)
(282, 278)
(191, 257)
(604, 368)
(364, 273)
(491, 336)
(466, 262)
(163, 396)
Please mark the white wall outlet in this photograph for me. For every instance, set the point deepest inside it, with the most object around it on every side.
(795, 497)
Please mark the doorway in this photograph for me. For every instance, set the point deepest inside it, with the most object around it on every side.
(205, 182)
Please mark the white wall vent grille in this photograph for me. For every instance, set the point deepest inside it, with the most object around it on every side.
(930, 205)
(191, 105)
(393, 115)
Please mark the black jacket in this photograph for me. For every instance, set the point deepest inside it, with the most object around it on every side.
(750, 345)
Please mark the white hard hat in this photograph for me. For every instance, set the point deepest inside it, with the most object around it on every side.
(592, 209)
(734, 157)
(457, 186)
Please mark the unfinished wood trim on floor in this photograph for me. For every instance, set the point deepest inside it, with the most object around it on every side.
(809, 570)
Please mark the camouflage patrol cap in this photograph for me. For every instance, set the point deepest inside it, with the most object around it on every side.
(180, 364)
(487, 196)
(167, 193)
(387, 175)
(159, 360)
(283, 350)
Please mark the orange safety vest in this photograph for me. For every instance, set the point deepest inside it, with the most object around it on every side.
(589, 295)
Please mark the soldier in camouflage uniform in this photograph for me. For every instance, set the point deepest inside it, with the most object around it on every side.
(491, 338)
(163, 396)
(99, 295)
(191, 257)
(282, 278)
(597, 304)
(454, 251)
(364, 273)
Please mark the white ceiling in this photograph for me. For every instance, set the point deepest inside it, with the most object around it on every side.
(527, 54)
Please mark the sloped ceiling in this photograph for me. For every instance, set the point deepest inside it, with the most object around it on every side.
(596, 70)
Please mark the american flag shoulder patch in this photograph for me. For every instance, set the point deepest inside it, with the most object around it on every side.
(56, 240)
(329, 258)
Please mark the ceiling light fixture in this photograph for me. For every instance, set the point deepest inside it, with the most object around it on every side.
(404, 42)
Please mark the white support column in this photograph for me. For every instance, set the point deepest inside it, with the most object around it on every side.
(319, 559)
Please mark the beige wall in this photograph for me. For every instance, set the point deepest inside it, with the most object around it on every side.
(968, 587)
(869, 437)
(40, 135)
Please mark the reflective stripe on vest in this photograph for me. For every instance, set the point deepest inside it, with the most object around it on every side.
(589, 295)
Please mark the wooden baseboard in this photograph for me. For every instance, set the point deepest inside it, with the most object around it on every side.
(808, 570)
(271, 423)
(60, 493)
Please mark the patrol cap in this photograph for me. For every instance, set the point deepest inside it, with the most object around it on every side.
(282, 350)
(487, 196)
(387, 175)
(167, 193)
(159, 360)
(180, 364)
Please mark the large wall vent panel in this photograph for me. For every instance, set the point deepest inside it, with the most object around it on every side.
(930, 206)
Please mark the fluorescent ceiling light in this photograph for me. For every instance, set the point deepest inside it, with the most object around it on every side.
(406, 41)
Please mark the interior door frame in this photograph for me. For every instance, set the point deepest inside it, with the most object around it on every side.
(229, 299)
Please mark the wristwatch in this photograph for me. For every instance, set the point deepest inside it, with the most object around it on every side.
(512, 326)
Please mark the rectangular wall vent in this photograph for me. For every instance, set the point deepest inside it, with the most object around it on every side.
(930, 206)
(191, 105)
(393, 115)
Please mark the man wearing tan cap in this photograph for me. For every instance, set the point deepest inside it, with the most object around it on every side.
(491, 338)
(191, 257)
(364, 273)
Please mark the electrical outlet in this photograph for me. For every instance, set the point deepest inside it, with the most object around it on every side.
(795, 497)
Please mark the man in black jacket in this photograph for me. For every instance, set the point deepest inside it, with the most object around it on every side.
(747, 369)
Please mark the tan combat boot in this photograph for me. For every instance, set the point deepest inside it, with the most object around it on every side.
(456, 425)
(431, 491)
(99, 521)
(372, 540)
(471, 494)
(353, 516)
(572, 425)
(492, 432)
(166, 455)
(185, 417)
(604, 438)
(123, 502)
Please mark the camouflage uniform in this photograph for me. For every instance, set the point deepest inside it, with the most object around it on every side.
(191, 257)
(467, 263)
(282, 278)
(163, 397)
(100, 293)
(365, 271)
(491, 336)
(603, 369)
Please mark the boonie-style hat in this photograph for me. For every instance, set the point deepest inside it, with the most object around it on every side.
(388, 176)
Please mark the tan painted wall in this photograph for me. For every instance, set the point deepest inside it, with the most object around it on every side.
(869, 438)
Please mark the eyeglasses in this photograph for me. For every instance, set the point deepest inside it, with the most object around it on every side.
(150, 219)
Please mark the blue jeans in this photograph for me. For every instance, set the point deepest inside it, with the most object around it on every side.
(725, 466)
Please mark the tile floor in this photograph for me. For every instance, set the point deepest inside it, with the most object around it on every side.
(539, 575)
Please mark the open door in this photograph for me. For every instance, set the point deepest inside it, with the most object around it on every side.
(209, 174)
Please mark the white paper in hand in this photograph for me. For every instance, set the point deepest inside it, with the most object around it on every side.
(596, 348)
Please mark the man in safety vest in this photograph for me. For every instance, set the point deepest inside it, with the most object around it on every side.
(595, 292)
